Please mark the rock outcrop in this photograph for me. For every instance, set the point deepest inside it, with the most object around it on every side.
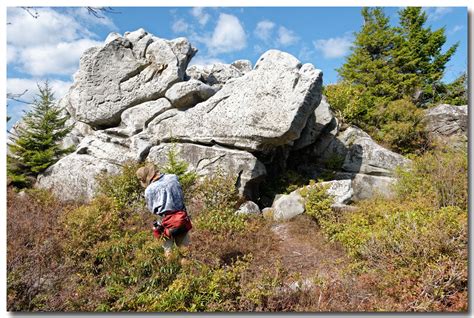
(447, 120)
(206, 160)
(125, 72)
(263, 109)
(134, 98)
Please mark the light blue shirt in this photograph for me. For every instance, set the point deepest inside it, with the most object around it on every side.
(164, 194)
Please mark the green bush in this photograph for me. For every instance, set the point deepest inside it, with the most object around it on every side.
(219, 197)
(124, 188)
(439, 177)
(401, 127)
(416, 243)
(187, 179)
(318, 203)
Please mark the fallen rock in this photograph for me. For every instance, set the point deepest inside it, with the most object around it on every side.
(358, 153)
(248, 207)
(288, 206)
(447, 120)
(189, 93)
(206, 160)
(73, 177)
(366, 187)
(340, 190)
(125, 72)
(265, 108)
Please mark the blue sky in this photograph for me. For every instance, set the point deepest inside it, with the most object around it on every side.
(49, 47)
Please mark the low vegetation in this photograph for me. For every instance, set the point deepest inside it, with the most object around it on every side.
(404, 254)
(415, 245)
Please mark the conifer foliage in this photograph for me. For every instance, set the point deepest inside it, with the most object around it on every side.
(36, 141)
(392, 67)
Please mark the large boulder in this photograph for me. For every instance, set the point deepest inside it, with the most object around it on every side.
(356, 152)
(447, 120)
(265, 108)
(366, 187)
(317, 123)
(73, 177)
(126, 71)
(206, 160)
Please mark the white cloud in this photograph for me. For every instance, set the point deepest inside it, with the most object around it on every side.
(205, 60)
(53, 43)
(264, 30)
(11, 54)
(438, 12)
(49, 28)
(305, 54)
(200, 14)
(180, 26)
(333, 47)
(456, 28)
(61, 58)
(286, 37)
(228, 36)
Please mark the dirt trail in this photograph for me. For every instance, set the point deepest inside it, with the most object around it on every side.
(302, 248)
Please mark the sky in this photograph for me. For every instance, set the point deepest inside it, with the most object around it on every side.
(47, 43)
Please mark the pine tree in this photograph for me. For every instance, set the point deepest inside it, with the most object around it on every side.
(36, 143)
(370, 63)
(418, 56)
(455, 93)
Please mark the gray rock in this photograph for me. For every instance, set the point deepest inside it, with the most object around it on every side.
(367, 187)
(358, 153)
(189, 93)
(265, 108)
(73, 177)
(288, 206)
(209, 160)
(447, 120)
(105, 147)
(248, 207)
(136, 118)
(340, 190)
(244, 66)
(126, 71)
(316, 124)
(214, 75)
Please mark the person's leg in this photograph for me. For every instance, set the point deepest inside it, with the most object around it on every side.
(182, 240)
(168, 246)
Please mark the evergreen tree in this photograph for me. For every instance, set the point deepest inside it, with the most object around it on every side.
(418, 56)
(455, 93)
(36, 143)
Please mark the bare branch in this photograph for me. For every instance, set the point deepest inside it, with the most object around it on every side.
(99, 12)
(31, 11)
(17, 97)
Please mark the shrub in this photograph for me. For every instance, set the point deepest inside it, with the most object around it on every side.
(187, 179)
(219, 198)
(124, 188)
(35, 264)
(318, 203)
(439, 176)
(401, 127)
